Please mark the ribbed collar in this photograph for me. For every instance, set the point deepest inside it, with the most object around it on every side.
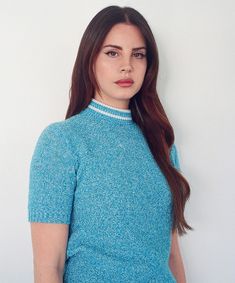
(123, 115)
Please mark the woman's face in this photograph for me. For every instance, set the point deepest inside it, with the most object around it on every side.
(122, 57)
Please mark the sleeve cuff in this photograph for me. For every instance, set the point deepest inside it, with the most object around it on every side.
(48, 217)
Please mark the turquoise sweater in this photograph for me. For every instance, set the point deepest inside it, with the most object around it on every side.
(95, 172)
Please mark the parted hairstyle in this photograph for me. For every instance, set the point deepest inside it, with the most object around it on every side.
(146, 108)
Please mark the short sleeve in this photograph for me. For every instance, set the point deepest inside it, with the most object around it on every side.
(174, 157)
(52, 178)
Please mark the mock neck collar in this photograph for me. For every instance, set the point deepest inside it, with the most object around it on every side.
(123, 115)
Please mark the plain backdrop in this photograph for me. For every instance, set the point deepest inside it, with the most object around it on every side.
(196, 42)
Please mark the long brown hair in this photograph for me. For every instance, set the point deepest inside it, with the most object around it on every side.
(146, 108)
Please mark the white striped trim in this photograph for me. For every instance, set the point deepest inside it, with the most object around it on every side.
(111, 107)
(109, 114)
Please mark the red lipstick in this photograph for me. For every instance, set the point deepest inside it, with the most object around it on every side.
(125, 82)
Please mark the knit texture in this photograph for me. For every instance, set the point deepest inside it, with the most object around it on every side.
(95, 172)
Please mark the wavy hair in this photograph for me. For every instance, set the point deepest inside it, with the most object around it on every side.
(146, 108)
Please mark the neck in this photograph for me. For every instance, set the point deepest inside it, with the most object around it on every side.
(104, 111)
(116, 103)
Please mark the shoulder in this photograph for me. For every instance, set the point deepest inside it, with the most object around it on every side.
(60, 138)
(52, 135)
(174, 156)
(173, 150)
(63, 131)
(62, 128)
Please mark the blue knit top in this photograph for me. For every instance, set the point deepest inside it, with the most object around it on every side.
(95, 172)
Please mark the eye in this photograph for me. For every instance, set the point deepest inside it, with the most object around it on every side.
(111, 53)
(139, 55)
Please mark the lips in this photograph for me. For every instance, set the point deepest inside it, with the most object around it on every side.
(125, 82)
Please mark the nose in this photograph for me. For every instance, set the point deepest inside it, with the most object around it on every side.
(126, 65)
(126, 69)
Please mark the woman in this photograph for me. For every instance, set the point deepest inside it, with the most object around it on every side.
(107, 198)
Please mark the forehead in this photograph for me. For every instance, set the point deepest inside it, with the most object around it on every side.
(124, 34)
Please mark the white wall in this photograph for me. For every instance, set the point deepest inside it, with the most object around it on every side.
(196, 41)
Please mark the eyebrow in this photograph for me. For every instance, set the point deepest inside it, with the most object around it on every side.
(120, 48)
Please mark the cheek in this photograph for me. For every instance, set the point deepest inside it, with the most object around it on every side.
(104, 68)
(99, 70)
(103, 73)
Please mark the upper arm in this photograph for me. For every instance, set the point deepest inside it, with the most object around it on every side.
(52, 179)
(49, 243)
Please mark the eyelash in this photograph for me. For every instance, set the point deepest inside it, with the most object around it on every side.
(142, 55)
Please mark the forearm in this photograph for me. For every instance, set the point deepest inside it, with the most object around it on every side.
(177, 268)
(47, 274)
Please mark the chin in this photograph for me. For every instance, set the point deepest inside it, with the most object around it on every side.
(128, 93)
(124, 96)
